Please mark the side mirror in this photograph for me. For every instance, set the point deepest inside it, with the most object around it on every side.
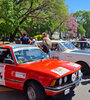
(8, 61)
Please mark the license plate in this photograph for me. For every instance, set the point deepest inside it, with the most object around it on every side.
(67, 91)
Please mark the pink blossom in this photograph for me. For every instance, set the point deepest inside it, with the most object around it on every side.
(72, 25)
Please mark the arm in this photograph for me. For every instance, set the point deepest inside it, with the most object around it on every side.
(21, 41)
(46, 41)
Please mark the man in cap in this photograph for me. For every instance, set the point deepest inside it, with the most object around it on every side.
(24, 39)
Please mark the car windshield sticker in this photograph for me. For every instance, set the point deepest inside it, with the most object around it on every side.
(60, 71)
(20, 61)
(73, 64)
(2, 70)
(20, 75)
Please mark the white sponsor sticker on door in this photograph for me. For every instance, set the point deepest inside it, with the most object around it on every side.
(20, 75)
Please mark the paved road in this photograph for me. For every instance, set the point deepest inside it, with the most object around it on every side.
(82, 92)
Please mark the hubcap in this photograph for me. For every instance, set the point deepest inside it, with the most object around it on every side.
(31, 93)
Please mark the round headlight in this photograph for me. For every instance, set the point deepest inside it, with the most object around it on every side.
(73, 78)
(60, 81)
(65, 79)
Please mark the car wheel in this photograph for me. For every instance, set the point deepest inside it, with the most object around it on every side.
(35, 92)
(85, 69)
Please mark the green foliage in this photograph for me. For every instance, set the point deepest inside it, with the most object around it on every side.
(8, 20)
(83, 18)
(81, 30)
(34, 16)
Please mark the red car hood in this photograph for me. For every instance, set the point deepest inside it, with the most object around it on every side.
(52, 67)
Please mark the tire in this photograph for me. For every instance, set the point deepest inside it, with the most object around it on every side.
(35, 91)
(85, 69)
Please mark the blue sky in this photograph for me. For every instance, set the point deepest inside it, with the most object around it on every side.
(76, 5)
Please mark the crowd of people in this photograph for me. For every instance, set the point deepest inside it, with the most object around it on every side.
(44, 46)
(24, 39)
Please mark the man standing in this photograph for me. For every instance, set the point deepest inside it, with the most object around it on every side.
(24, 39)
(83, 43)
(46, 44)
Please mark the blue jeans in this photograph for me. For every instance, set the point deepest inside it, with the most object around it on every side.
(49, 53)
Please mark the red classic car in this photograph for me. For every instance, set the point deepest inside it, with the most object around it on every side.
(27, 68)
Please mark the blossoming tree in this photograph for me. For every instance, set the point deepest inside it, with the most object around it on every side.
(72, 26)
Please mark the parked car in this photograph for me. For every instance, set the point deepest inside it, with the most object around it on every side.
(27, 68)
(84, 45)
(65, 50)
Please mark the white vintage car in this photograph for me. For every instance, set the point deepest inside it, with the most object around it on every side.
(83, 45)
(65, 50)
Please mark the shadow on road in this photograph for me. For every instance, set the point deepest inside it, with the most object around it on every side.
(86, 76)
(19, 95)
(86, 80)
(12, 95)
(63, 97)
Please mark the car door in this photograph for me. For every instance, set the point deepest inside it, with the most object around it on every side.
(58, 52)
(55, 51)
(10, 74)
(2, 74)
(6, 60)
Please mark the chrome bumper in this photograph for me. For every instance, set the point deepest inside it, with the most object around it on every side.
(62, 88)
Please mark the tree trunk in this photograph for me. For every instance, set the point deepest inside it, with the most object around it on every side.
(3, 39)
(13, 35)
(60, 35)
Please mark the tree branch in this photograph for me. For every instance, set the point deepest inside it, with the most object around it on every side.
(58, 25)
(21, 9)
(19, 2)
(31, 11)
(38, 17)
(27, 10)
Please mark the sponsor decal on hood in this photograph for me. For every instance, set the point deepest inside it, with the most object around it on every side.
(60, 71)
(73, 64)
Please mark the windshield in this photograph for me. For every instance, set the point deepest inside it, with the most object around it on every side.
(67, 45)
(29, 54)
